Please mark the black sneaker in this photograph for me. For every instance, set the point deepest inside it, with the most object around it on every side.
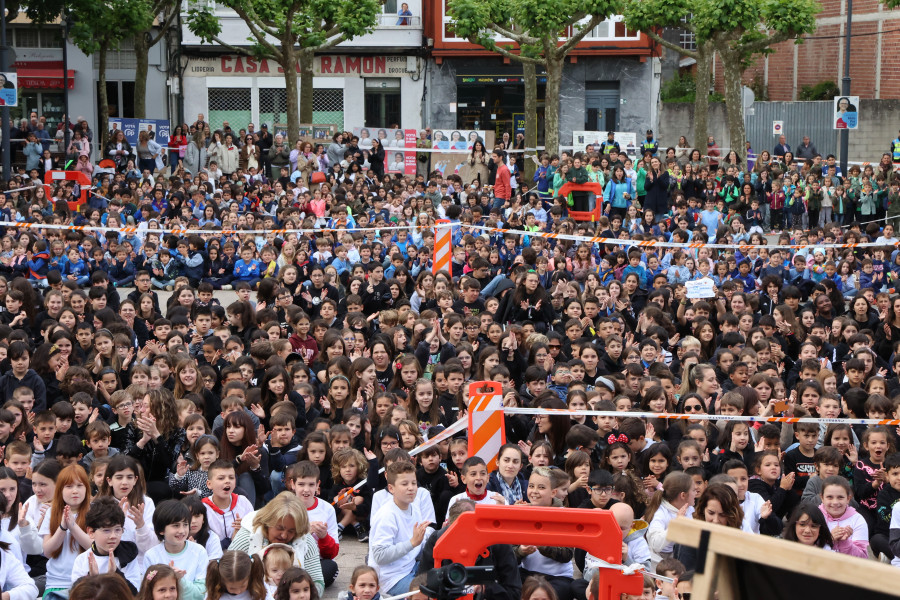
(340, 533)
(362, 532)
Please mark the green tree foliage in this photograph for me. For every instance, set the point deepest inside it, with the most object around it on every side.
(290, 32)
(536, 29)
(97, 27)
(737, 30)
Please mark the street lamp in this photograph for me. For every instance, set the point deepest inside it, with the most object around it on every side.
(845, 88)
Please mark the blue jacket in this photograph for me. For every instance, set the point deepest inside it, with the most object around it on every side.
(121, 273)
(614, 193)
(244, 271)
(78, 269)
(39, 265)
(193, 265)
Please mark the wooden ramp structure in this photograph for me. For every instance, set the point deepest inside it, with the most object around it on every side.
(733, 565)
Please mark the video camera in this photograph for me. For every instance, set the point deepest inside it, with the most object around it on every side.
(451, 582)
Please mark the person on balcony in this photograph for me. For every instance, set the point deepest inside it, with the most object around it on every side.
(404, 13)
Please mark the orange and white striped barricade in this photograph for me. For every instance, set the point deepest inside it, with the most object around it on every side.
(442, 246)
(486, 426)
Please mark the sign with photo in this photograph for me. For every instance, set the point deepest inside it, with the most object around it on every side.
(455, 139)
(9, 89)
(399, 147)
(627, 140)
(846, 112)
(158, 129)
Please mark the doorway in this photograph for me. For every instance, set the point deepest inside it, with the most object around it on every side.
(601, 106)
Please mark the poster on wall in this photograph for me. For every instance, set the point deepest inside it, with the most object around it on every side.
(157, 128)
(627, 140)
(9, 89)
(455, 139)
(846, 115)
(399, 147)
(450, 163)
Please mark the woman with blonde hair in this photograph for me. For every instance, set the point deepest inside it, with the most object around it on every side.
(283, 520)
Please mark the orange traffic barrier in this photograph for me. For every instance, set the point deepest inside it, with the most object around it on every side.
(486, 426)
(591, 215)
(442, 244)
(593, 530)
(55, 177)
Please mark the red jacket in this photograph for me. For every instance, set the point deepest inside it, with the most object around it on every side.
(502, 188)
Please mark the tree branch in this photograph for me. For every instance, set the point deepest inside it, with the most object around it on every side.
(519, 37)
(667, 44)
(164, 28)
(256, 25)
(760, 45)
(570, 43)
(509, 54)
(235, 49)
(256, 31)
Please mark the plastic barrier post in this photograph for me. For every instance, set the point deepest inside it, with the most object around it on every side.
(593, 530)
(486, 425)
(442, 245)
(78, 177)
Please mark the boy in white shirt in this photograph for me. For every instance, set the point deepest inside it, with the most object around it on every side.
(423, 502)
(398, 531)
(105, 524)
(172, 524)
(224, 508)
(303, 479)
(756, 510)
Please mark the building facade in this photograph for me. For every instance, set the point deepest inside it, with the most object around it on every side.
(39, 65)
(610, 82)
(874, 54)
(376, 80)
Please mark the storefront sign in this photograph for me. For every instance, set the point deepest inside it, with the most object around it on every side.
(328, 65)
(495, 79)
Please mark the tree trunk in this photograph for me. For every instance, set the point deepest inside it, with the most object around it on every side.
(306, 88)
(142, 56)
(103, 99)
(703, 79)
(551, 103)
(289, 66)
(734, 104)
(529, 72)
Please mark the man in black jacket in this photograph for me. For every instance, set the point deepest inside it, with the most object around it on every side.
(508, 585)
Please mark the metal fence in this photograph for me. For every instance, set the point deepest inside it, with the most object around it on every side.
(799, 119)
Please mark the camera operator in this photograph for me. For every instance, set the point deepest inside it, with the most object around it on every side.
(508, 585)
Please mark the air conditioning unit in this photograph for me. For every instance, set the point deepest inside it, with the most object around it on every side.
(411, 64)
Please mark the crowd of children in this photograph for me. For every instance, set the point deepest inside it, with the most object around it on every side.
(194, 450)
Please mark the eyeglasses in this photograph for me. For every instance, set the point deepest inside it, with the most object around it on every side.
(602, 490)
(693, 408)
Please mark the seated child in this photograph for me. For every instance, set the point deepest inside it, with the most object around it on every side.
(172, 524)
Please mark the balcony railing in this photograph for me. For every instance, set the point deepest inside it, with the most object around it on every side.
(394, 21)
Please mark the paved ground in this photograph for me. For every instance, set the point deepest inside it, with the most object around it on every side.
(351, 556)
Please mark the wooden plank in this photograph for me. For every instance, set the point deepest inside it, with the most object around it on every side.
(791, 556)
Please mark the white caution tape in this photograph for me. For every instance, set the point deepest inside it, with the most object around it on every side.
(698, 416)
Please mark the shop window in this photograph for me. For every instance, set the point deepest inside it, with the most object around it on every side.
(28, 38)
(228, 104)
(51, 38)
(123, 58)
(382, 102)
(328, 107)
(272, 107)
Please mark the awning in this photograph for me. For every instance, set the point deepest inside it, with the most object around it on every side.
(44, 79)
